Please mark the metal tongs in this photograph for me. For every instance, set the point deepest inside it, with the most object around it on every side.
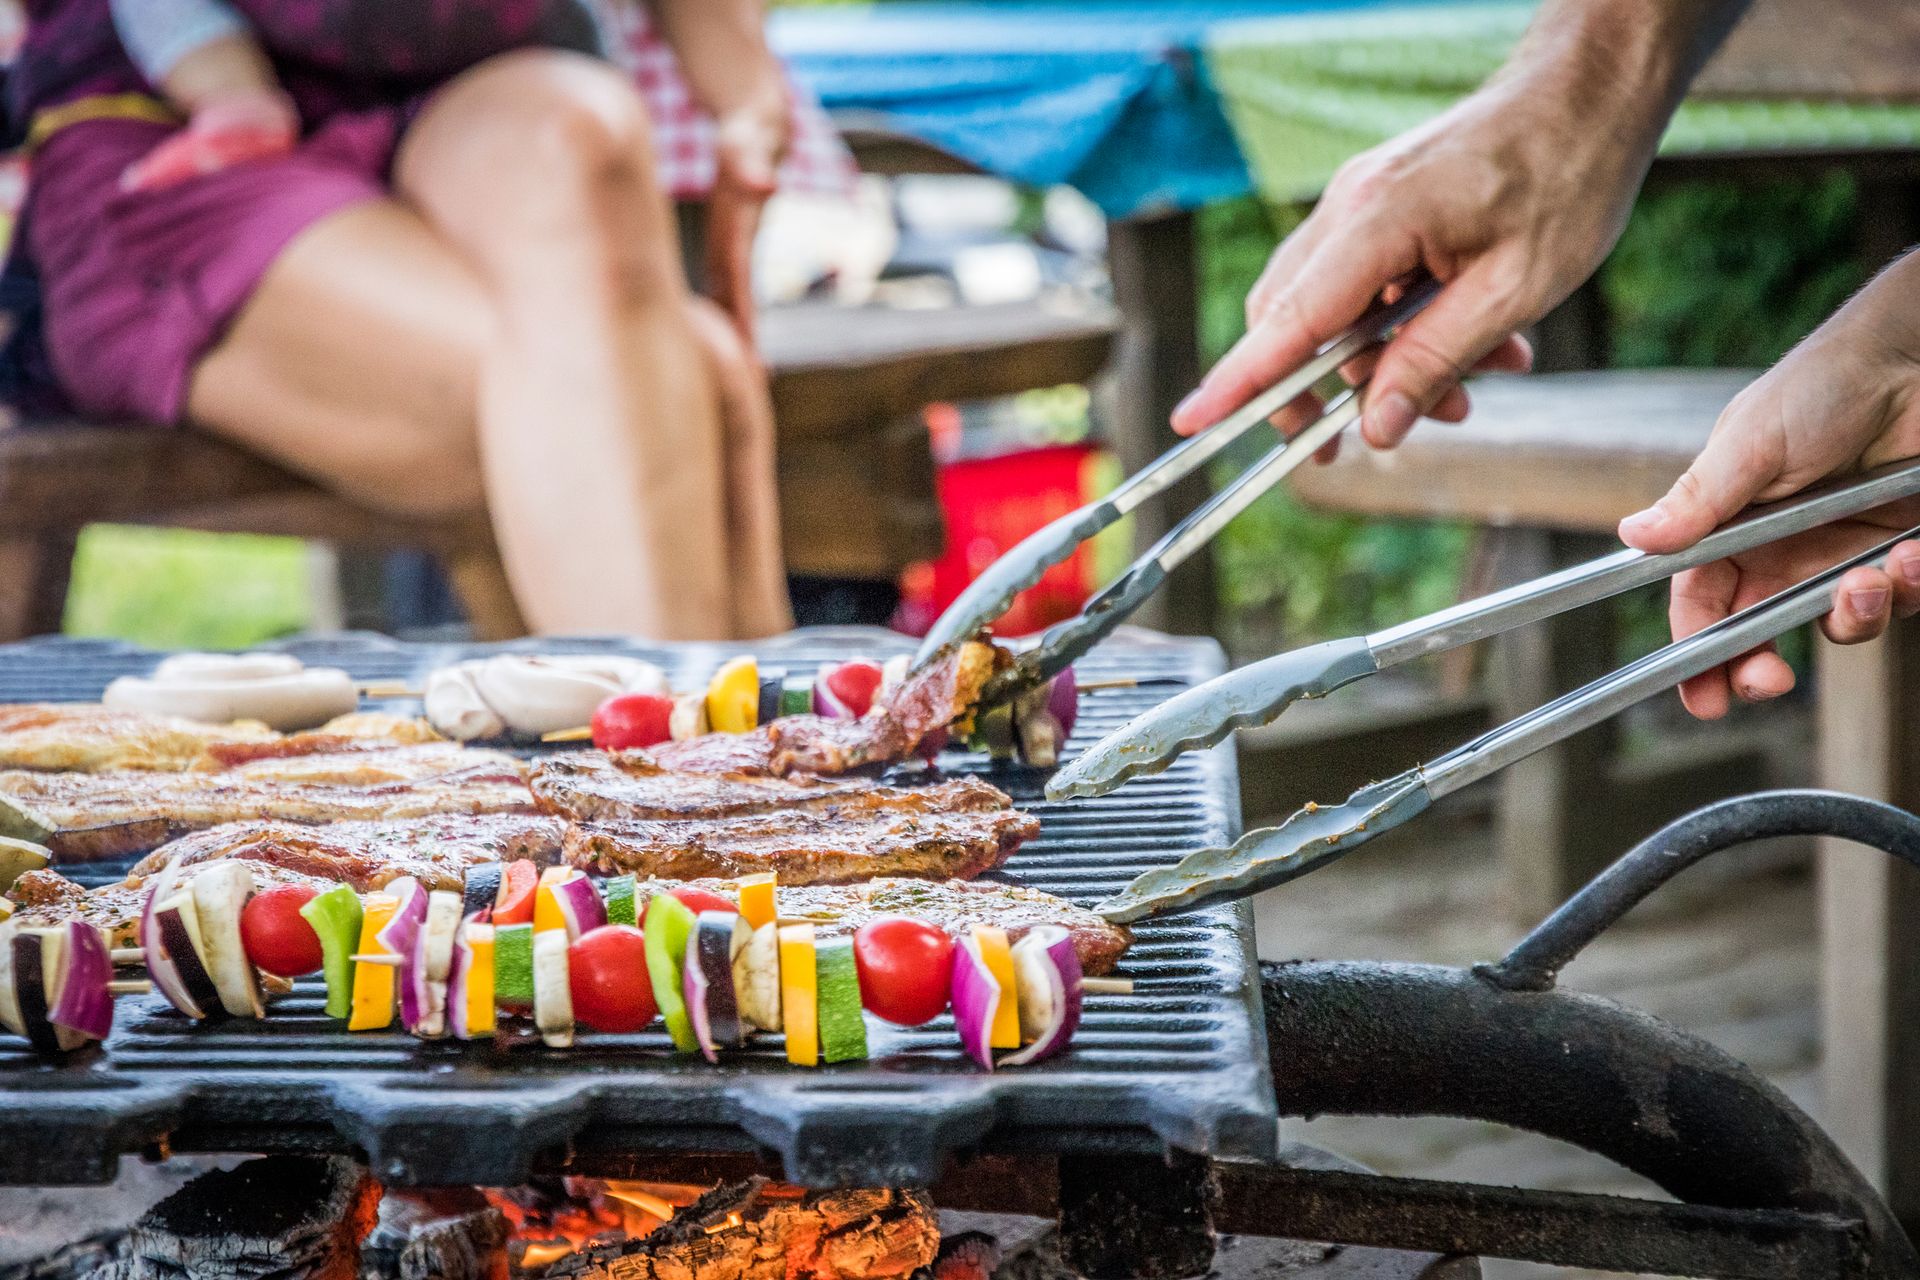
(989, 596)
(1318, 835)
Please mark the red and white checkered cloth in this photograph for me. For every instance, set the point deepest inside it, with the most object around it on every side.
(817, 161)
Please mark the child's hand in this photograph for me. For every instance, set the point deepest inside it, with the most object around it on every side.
(257, 124)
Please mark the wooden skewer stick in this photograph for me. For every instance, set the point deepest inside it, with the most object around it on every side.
(391, 962)
(129, 955)
(1094, 686)
(129, 988)
(1107, 986)
(581, 734)
(386, 689)
(786, 920)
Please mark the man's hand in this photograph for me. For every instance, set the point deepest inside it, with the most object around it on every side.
(1511, 198)
(1847, 399)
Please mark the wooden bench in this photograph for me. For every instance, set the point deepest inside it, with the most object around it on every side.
(856, 471)
(1551, 462)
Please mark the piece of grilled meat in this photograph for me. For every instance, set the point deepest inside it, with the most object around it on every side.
(85, 736)
(437, 851)
(87, 817)
(595, 786)
(953, 905)
(826, 845)
(46, 898)
(944, 693)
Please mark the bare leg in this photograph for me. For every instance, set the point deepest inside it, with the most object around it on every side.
(354, 363)
(761, 605)
(596, 398)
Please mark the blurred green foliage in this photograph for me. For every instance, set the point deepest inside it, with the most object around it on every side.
(1705, 274)
(174, 588)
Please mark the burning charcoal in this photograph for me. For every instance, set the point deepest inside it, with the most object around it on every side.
(276, 1218)
(972, 1256)
(754, 1231)
(73, 1261)
(448, 1234)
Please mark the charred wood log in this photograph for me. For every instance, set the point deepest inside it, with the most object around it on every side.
(276, 1218)
(741, 1232)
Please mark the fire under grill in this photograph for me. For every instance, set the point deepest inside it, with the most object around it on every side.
(1179, 1063)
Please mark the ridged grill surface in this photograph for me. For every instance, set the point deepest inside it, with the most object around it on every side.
(1180, 1062)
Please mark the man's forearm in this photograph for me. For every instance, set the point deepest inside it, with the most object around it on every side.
(1621, 64)
(722, 47)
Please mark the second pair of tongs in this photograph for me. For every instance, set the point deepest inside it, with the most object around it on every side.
(1257, 694)
(989, 595)
(1318, 834)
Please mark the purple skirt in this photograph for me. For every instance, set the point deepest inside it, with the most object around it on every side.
(136, 287)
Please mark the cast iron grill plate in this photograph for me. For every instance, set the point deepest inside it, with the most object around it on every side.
(1181, 1063)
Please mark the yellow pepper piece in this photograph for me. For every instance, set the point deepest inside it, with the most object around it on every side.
(757, 906)
(998, 953)
(800, 994)
(546, 908)
(373, 984)
(480, 1011)
(733, 697)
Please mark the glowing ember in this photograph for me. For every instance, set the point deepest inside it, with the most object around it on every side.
(549, 1219)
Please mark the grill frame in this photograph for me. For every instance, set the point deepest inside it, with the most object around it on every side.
(1182, 1064)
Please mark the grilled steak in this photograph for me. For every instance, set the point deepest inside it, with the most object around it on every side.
(437, 851)
(953, 905)
(48, 898)
(359, 731)
(89, 816)
(593, 786)
(806, 846)
(944, 693)
(87, 736)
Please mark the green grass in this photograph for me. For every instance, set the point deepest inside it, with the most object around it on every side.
(175, 588)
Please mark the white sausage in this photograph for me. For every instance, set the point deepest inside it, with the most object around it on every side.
(454, 706)
(211, 690)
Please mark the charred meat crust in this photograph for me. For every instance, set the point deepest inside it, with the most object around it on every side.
(595, 786)
(93, 816)
(806, 847)
(437, 851)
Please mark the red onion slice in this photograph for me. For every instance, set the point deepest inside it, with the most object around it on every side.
(1046, 970)
(976, 998)
(580, 905)
(398, 936)
(85, 1005)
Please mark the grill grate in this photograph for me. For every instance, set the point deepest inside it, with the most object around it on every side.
(1180, 1063)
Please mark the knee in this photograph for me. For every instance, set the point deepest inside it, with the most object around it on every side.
(562, 146)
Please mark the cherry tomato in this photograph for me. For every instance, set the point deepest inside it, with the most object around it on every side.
(607, 970)
(276, 936)
(698, 900)
(855, 683)
(905, 969)
(632, 720)
(517, 885)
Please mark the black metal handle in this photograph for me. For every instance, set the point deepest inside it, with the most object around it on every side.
(1536, 961)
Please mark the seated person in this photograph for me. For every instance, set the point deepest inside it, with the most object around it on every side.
(434, 288)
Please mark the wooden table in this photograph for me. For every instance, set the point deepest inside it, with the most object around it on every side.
(1552, 462)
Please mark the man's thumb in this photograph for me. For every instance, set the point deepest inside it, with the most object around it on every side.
(1713, 490)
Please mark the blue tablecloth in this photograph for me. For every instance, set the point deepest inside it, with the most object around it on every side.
(1111, 97)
